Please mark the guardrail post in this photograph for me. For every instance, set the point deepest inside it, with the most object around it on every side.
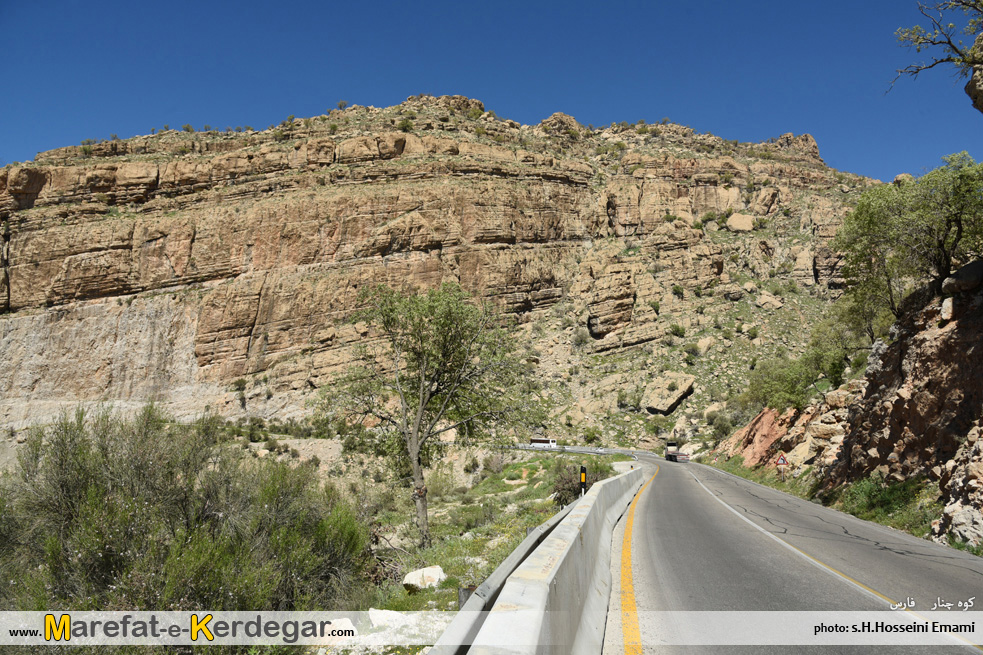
(463, 593)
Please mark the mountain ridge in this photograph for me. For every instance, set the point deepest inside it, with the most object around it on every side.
(169, 266)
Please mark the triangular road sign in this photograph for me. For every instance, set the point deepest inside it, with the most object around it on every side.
(782, 461)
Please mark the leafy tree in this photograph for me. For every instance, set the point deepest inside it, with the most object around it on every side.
(948, 218)
(443, 363)
(780, 383)
(942, 38)
(872, 266)
(912, 231)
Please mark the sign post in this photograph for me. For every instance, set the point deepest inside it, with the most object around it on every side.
(583, 481)
(782, 463)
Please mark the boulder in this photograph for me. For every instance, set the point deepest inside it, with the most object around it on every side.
(967, 278)
(740, 223)
(840, 398)
(664, 395)
(768, 301)
(731, 292)
(425, 578)
(974, 87)
(947, 311)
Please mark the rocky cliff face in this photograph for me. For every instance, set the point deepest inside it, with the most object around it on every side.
(811, 438)
(919, 411)
(166, 266)
(974, 86)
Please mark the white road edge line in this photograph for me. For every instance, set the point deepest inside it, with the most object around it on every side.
(833, 572)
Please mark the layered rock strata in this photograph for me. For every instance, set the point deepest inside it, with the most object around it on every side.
(165, 267)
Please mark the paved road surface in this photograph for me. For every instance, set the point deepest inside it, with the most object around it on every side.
(703, 540)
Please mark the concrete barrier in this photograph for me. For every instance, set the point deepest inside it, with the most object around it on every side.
(556, 601)
(461, 632)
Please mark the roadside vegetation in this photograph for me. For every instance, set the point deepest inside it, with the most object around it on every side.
(910, 505)
(901, 237)
(445, 365)
(475, 528)
(149, 514)
(110, 514)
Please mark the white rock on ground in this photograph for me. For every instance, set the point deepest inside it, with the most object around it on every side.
(425, 578)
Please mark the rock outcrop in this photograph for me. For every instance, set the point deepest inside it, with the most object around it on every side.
(974, 86)
(811, 438)
(665, 394)
(924, 394)
(918, 412)
(167, 266)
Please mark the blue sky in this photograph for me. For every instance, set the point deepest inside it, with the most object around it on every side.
(745, 70)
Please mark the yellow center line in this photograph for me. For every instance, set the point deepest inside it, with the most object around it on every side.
(629, 610)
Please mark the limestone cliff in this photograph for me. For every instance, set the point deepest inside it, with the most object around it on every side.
(166, 266)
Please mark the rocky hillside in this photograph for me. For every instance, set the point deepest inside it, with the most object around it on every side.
(174, 265)
(918, 412)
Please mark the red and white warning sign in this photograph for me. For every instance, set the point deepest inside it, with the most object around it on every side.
(782, 461)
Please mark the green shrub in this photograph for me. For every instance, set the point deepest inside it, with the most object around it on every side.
(722, 427)
(440, 481)
(566, 479)
(150, 515)
(187, 127)
(677, 290)
(780, 383)
(654, 304)
(677, 330)
(630, 399)
(405, 125)
(581, 337)
(494, 464)
(910, 505)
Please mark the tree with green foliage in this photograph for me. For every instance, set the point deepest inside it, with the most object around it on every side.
(942, 38)
(780, 383)
(443, 363)
(872, 265)
(911, 232)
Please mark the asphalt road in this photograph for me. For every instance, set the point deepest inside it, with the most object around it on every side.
(703, 540)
